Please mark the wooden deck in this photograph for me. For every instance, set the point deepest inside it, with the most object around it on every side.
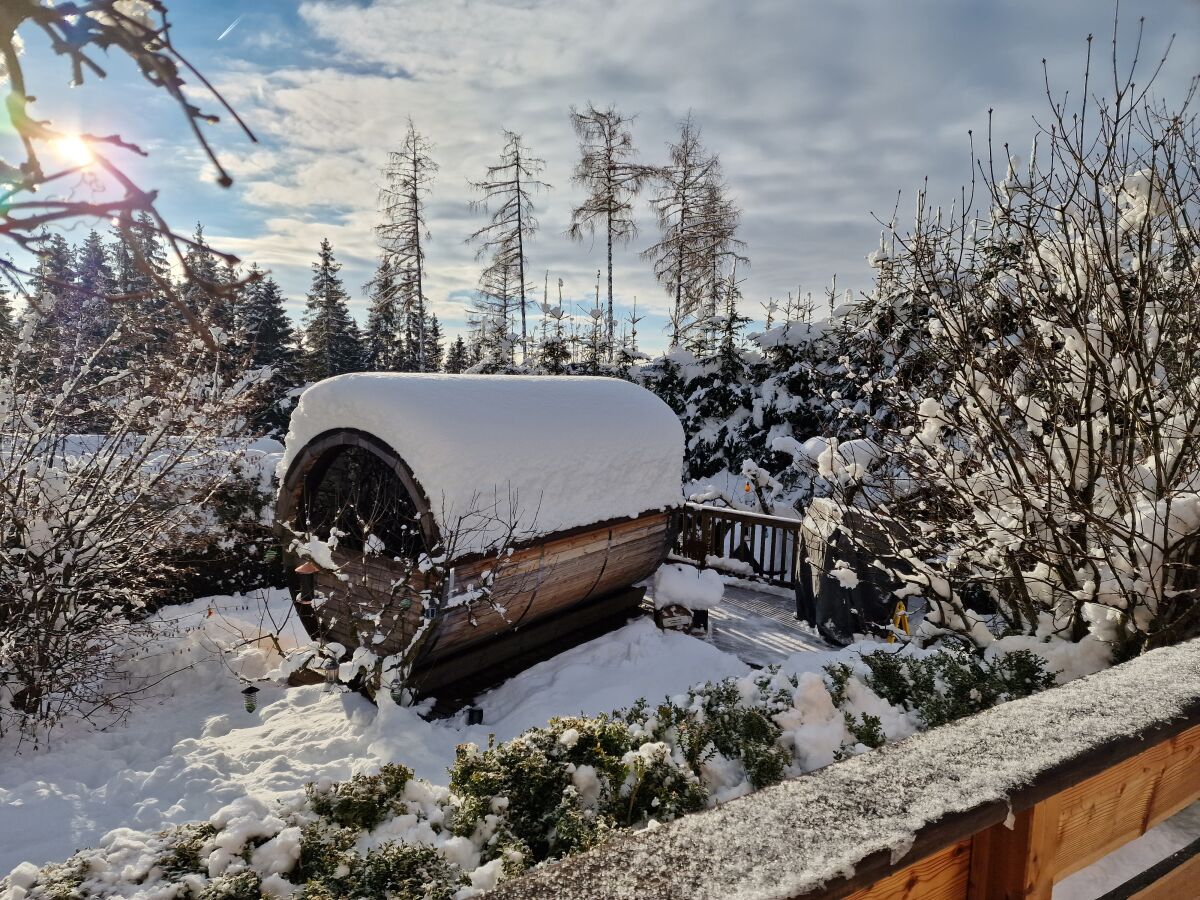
(759, 626)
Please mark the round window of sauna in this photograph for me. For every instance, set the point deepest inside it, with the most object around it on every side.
(360, 495)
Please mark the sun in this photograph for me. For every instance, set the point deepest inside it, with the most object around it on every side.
(73, 149)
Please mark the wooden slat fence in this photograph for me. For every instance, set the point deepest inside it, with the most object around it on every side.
(750, 545)
(1063, 833)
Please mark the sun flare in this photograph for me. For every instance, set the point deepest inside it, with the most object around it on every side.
(73, 149)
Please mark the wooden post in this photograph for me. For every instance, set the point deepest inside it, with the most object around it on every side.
(1018, 862)
(705, 537)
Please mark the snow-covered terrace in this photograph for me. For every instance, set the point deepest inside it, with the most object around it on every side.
(1073, 773)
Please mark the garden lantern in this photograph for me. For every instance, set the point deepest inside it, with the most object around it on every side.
(330, 670)
(250, 698)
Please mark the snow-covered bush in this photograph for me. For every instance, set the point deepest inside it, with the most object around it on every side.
(949, 684)
(721, 720)
(1049, 480)
(91, 526)
(385, 872)
(563, 788)
(365, 800)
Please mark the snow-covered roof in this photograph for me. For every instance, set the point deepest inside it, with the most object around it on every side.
(548, 453)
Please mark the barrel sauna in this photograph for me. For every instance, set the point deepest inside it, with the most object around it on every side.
(460, 521)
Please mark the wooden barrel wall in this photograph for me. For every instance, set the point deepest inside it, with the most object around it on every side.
(375, 601)
(546, 578)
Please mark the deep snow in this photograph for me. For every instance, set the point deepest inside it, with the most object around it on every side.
(196, 749)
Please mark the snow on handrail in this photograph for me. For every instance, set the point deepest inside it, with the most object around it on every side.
(928, 804)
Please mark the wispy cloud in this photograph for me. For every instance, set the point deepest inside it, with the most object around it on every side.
(821, 113)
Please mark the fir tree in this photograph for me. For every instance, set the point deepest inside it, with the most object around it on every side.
(331, 340)
(385, 337)
(55, 299)
(95, 284)
(270, 341)
(493, 307)
(433, 345)
(458, 358)
(208, 287)
(554, 352)
(144, 310)
(413, 350)
(716, 422)
(594, 342)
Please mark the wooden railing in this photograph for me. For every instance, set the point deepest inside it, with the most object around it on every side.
(1072, 828)
(994, 807)
(751, 545)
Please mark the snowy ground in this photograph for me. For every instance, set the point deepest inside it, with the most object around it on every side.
(197, 749)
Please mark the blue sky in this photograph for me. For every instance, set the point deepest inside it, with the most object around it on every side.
(822, 112)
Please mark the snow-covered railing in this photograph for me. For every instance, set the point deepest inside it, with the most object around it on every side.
(1002, 804)
(750, 545)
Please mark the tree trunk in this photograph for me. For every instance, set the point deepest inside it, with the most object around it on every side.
(416, 225)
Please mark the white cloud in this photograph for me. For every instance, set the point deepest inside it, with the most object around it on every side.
(821, 113)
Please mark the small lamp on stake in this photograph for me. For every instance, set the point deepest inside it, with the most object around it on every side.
(250, 697)
(330, 670)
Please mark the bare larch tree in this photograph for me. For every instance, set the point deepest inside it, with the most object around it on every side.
(609, 170)
(402, 231)
(500, 288)
(507, 191)
(695, 223)
(717, 250)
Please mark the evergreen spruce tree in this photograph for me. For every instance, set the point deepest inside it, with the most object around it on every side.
(8, 324)
(433, 345)
(151, 324)
(413, 350)
(716, 422)
(458, 358)
(385, 338)
(554, 352)
(207, 290)
(127, 280)
(331, 340)
(270, 341)
(96, 284)
(667, 378)
(52, 293)
(95, 287)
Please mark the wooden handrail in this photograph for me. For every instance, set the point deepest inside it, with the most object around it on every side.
(999, 805)
(744, 515)
(773, 542)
